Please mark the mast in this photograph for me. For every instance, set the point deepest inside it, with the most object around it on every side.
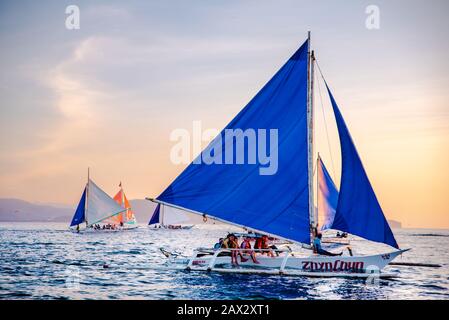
(318, 162)
(86, 203)
(310, 133)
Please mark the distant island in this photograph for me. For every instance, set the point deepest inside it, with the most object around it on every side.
(16, 210)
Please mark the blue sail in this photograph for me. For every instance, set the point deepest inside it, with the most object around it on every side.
(79, 216)
(327, 197)
(155, 217)
(238, 193)
(358, 211)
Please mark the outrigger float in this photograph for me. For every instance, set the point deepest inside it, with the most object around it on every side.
(280, 203)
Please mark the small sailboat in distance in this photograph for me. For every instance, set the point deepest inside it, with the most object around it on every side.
(167, 217)
(125, 220)
(94, 207)
(281, 205)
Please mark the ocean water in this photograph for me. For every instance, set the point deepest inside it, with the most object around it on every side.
(45, 261)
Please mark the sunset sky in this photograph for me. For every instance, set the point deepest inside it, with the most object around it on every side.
(107, 96)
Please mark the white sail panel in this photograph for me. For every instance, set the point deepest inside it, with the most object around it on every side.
(175, 216)
(100, 205)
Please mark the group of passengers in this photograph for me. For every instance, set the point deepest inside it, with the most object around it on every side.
(261, 246)
(108, 226)
(245, 250)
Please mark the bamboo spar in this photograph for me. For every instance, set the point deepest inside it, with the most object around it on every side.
(310, 134)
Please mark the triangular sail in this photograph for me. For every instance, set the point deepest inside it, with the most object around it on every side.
(175, 216)
(119, 218)
(155, 218)
(276, 203)
(168, 215)
(79, 216)
(100, 205)
(327, 197)
(128, 215)
(358, 211)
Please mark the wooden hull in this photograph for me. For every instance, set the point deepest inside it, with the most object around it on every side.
(325, 265)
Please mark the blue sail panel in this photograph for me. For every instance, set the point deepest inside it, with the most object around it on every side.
(275, 202)
(79, 216)
(155, 217)
(358, 211)
(327, 197)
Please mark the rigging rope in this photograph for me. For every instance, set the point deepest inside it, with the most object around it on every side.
(325, 122)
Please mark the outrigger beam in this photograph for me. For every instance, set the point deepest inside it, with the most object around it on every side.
(414, 264)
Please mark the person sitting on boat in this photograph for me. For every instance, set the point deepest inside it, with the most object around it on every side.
(246, 244)
(318, 249)
(315, 231)
(218, 244)
(231, 243)
(342, 235)
(262, 244)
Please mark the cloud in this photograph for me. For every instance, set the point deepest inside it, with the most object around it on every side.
(105, 80)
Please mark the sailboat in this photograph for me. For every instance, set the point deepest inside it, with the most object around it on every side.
(94, 207)
(125, 220)
(281, 205)
(168, 217)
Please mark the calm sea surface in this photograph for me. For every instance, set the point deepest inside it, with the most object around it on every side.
(45, 261)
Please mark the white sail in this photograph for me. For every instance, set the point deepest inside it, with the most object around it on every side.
(175, 216)
(100, 205)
